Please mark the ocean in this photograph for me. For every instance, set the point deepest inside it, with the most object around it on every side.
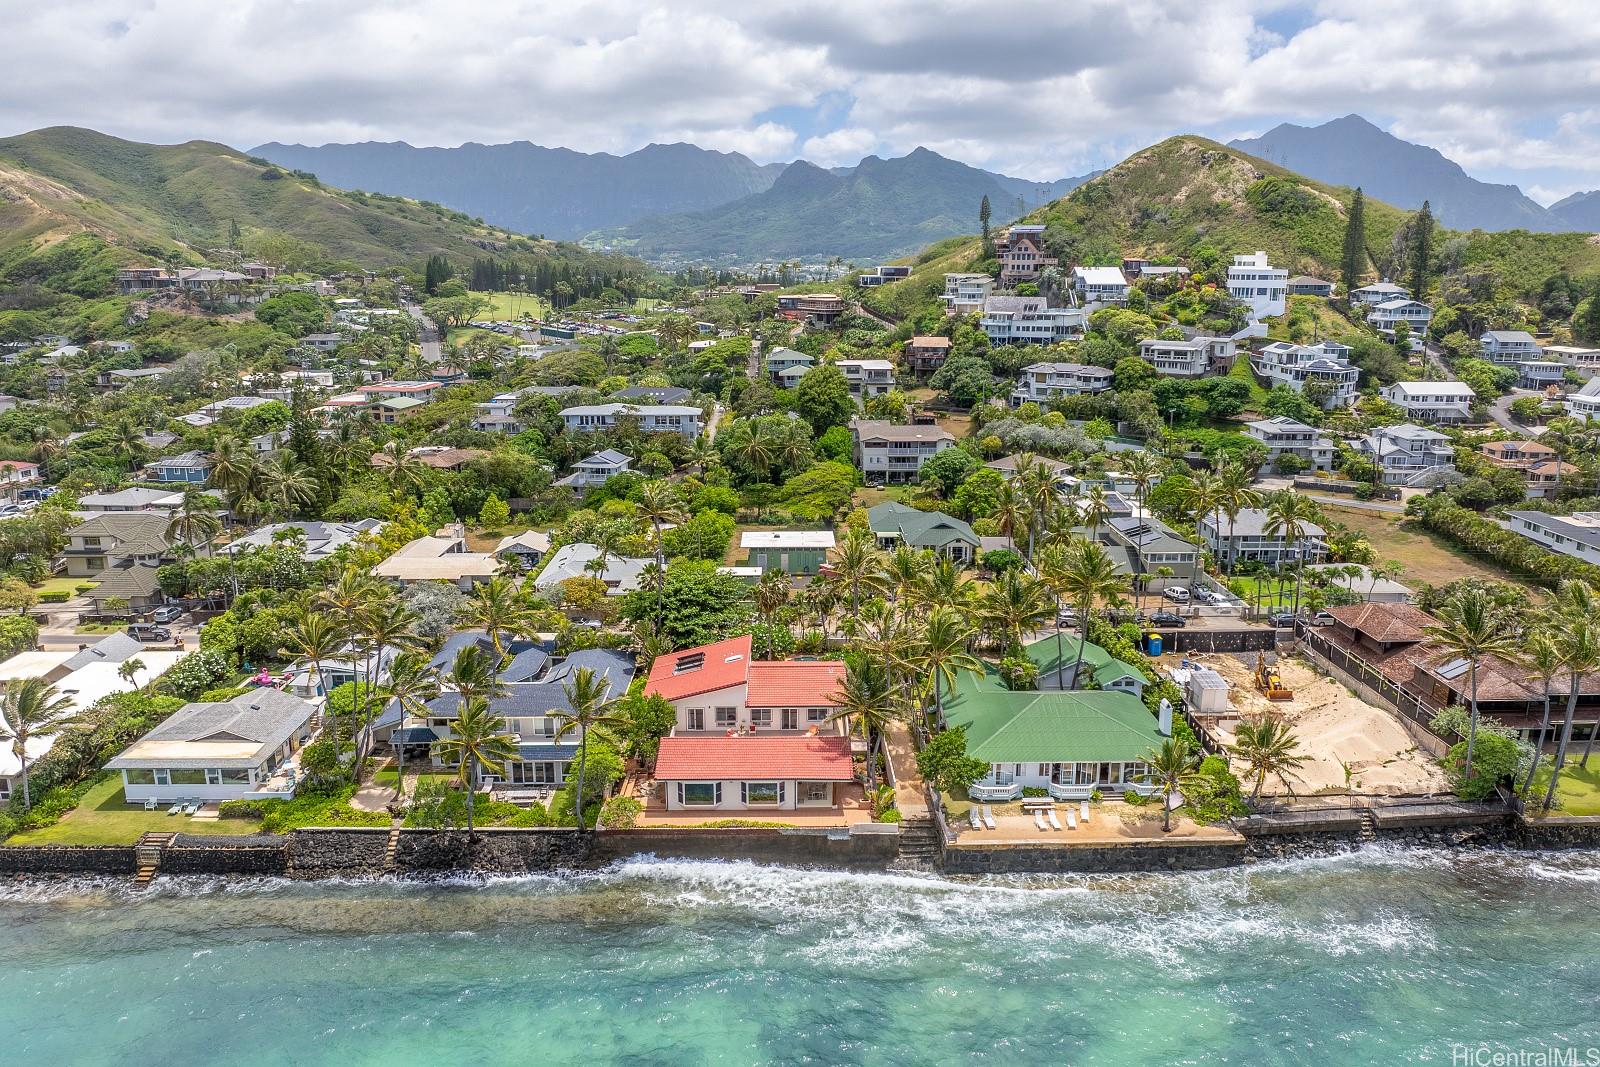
(1379, 956)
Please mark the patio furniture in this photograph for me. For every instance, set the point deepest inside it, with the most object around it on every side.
(1055, 823)
(988, 816)
(1072, 820)
(191, 807)
(972, 817)
(1038, 820)
(177, 806)
(1083, 811)
(150, 804)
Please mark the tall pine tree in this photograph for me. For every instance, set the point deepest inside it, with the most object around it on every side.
(1353, 258)
(984, 213)
(1421, 251)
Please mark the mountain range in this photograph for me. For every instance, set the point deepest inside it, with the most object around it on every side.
(1352, 151)
(678, 202)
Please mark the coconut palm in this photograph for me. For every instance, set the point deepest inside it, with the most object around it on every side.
(1088, 577)
(1472, 628)
(1268, 747)
(1143, 469)
(905, 573)
(128, 670)
(659, 505)
(589, 698)
(1036, 491)
(405, 473)
(1011, 511)
(385, 624)
(945, 586)
(1201, 493)
(1013, 604)
(771, 596)
(233, 466)
(412, 683)
(1234, 494)
(856, 560)
(1174, 766)
(285, 489)
(493, 608)
(1541, 653)
(32, 707)
(315, 636)
(1290, 515)
(478, 741)
(192, 524)
(1094, 509)
(1579, 638)
(865, 698)
(943, 652)
(471, 675)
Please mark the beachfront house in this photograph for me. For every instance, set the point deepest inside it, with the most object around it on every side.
(1246, 536)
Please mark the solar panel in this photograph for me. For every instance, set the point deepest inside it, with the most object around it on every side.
(1454, 669)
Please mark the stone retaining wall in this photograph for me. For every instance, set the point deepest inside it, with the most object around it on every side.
(330, 853)
(1560, 832)
(501, 851)
(1095, 859)
(67, 859)
(871, 850)
(258, 854)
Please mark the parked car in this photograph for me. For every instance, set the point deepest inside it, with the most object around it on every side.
(1121, 616)
(1323, 618)
(1281, 618)
(1066, 617)
(1166, 618)
(146, 631)
(166, 613)
(1176, 593)
(1204, 595)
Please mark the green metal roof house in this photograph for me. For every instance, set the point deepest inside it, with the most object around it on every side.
(894, 524)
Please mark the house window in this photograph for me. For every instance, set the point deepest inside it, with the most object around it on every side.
(699, 794)
(139, 777)
(537, 772)
(758, 793)
(727, 718)
(761, 718)
(187, 776)
(696, 718)
(213, 776)
(235, 777)
(162, 777)
(791, 718)
(814, 793)
(816, 715)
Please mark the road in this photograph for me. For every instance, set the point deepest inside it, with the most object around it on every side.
(427, 335)
(1500, 412)
(1360, 505)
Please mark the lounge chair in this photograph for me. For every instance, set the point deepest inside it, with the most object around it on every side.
(1055, 823)
(177, 806)
(1038, 820)
(150, 804)
(1083, 810)
(972, 817)
(191, 808)
(1072, 820)
(988, 817)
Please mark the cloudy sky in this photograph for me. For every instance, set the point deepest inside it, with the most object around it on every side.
(1035, 88)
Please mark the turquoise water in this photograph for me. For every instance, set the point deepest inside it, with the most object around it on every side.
(1372, 958)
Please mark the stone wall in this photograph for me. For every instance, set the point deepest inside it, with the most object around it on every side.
(871, 850)
(1253, 639)
(1560, 832)
(258, 854)
(1094, 859)
(67, 859)
(331, 853)
(496, 850)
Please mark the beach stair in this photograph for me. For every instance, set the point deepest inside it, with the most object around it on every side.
(393, 847)
(147, 855)
(1368, 831)
(919, 844)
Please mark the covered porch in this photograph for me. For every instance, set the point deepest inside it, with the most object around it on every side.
(1061, 781)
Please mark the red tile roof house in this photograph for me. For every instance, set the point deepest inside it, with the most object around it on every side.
(751, 734)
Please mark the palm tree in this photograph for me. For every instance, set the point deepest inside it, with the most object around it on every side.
(471, 675)
(942, 651)
(406, 473)
(1011, 511)
(128, 670)
(771, 594)
(1037, 492)
(1541, 653)
(1267, 746)
(945, 586)
(412, 683)
(1016, 602)
(1235, 493)
(478, 739)
(286, 489)
(1201, 494)
(589, 697)
(1473, 628)
(32, 708)
(855, 561)
(386, 624)
(493, 608)
(905, 573)
(1289, 515)
(1579, 639)
(1143, 469)
(1173, 766)
(1094, 509)
(1089, 576)
(659, 505)
(315, 636)
(232, 466)
(192, 524)
(866, 699)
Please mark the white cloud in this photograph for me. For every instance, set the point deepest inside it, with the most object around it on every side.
(1036, 88)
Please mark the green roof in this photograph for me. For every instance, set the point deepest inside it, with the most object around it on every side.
(1056, 727)
(919, 529)
(1102, 665)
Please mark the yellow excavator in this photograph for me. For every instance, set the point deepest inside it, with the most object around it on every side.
(1269, 681)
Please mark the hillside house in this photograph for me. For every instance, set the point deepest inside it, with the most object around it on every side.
(1029, 320)
(1100, 285)
(1432, 402)
(1324, 367)
(1020, 250)
(651, 418)
(597, 469)
(867, 377)
(1379, 293)
(1305, 285)
(1256, 283)
(1041, 383)
(889, 453)
(1410, 455)
(925, 354)
(964, 294)
(1284, 436)
(1509, 347)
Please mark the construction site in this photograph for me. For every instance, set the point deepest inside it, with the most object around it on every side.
(1349, 744)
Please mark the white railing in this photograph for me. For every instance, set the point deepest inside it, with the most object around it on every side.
(991, 791)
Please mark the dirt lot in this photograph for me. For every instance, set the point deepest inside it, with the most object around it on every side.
(1426, 558)
(1333, 725)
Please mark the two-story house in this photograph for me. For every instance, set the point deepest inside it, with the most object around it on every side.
(1030, 320)
(652, 418)
(597, 469)
(1379, 293)
(882, 275)
(1250, 536)
(926, 354)
(1041, 383)
(121, 551)
(1256, 283)
(1100, 285)
(890, 453)
(1284, 436)
(1576, 535)
(1414, 313)
(1509, 347)
(867, 377)
(1020, 251)
(1584, 361)
(191, 468)
(1585, 403)
(1193, 357)
(1154, 549)
(1432, 402)
(498, 414)
(1409, 454)
(964, 294)
(1324, 367)
(750, 734)
(787, 365)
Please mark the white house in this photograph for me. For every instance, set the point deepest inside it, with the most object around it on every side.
(1327, 364)
(1042, 382)
(1586, 361)
(1284, 436)
(621, 574)
(782, 359)
(1585, 403)
(1379, 293)
(1029, 320)
(888, 452)
(1576, 535)
(1100, 285)
(1253, 281)
(1193, 357)
(219, 750)
(1540, 373)
(1409, 454)
(964, 294)
(318, 540)
(867, 377)
(498, 414)
(597, 469)
(1246, 537)
(444, 558)
(1509, 346)
(652, 418)
(1435, 402)
(1414, 313)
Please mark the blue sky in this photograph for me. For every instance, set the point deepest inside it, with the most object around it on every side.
(1035, 88)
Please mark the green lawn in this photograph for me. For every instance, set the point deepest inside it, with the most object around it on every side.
(1579, 790)
(386, 777)
(103, 819)
(62, 585)
(513, 305)
(1258, 394)
(1267, 590)
(98, 628)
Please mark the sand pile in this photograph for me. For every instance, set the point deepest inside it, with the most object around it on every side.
(1333, 726)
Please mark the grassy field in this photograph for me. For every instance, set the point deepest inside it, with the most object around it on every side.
(386, 777)
(1579, 790)
(513, 305)
(62, 585)
(1267, 590)
(103, 819)
(1258, 395)
(867, 496)
(1426, 558)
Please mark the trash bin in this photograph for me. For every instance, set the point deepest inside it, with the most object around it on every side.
(1153, 644)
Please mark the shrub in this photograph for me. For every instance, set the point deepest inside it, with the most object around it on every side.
(195, 673)
(621, 813)
(218, 696)
(1033, 792)
(245, 809)
(892, 815)
(54, 596)
(1136, 799)
(84, 587)
(317, 808)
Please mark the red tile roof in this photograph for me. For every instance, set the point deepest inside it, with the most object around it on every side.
(758, 758)
(794, 684)
(724, 664)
